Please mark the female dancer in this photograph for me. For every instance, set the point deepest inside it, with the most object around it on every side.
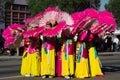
(82, 69)
(48, 55)
(31, 58)
(67, 54)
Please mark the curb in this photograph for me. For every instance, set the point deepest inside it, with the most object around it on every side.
(108, 53)
(10, 57)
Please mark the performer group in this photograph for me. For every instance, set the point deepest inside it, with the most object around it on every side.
(60, 44)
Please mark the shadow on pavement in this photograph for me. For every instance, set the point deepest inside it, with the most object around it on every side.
(110, 69)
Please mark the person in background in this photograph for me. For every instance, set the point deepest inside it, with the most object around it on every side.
(115, 43)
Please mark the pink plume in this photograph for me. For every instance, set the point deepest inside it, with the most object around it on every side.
(16, 26)
(28, 20)
(77, 17)
(6, 33)
(33, 33)
(51, 9)
(101, 30)
(108, 21)
(39, 15)
(64, 16)
(106, 13)
(92, 13)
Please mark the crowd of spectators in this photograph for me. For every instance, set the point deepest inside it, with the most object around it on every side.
(108, 43)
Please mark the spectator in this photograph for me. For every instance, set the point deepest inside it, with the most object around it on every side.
(115, 43)
(108, 41)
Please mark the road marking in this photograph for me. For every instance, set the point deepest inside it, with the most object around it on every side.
(10, 77)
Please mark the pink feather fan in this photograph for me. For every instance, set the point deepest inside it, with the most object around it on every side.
(13, 35)
(14, 27)
(106, 13)
(6, 33)
(106, 23)
(56, 20)
(109, 22)
(78, 20)
(92, 13)
(108, 18)
(84, 19)
(51, 9)
(55, 31)
(93, 16)
(33, 33)
(8, 41)
(33, 27)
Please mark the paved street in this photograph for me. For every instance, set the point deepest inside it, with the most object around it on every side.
(10, 68)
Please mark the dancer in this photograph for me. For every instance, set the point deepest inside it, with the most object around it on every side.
(94, 62)
(54, 20)
(67, 54)
(31, 57)
(31, 64)
(82, 69)
(48, 55)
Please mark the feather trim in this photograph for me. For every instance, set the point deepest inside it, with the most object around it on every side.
(108, 21)
(106, 13)
(92, 13)
(51, 9)
(54, 31)
(33, 33)
(6, 33)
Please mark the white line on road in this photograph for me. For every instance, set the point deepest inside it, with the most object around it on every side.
(3, 78)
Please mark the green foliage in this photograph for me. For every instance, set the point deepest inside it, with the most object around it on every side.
(69, 6)
(37, 6)
(114, 7)
(73, 5)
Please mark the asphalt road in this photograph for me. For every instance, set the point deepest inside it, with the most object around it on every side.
(10, 69)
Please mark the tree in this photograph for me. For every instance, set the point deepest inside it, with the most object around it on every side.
(65, 5)
(114, 7)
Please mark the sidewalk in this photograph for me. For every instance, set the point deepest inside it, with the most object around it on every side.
(100, 54)
(108, 53)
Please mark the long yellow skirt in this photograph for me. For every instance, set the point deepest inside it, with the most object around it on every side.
(30, 64)
(67, 65)
(82, 70)
(48, 63)
(95, 68)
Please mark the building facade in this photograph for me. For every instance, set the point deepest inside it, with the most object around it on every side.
(16, 12)
(2, 15)
(13, 11)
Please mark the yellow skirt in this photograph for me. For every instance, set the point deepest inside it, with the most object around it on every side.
(48, 63)
(30, 64)
(82, 69)
(95, 68)
(67, 65)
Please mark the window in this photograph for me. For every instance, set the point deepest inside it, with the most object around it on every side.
(22, 8)
(22, 15)
(15, 15)
(15, 7)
